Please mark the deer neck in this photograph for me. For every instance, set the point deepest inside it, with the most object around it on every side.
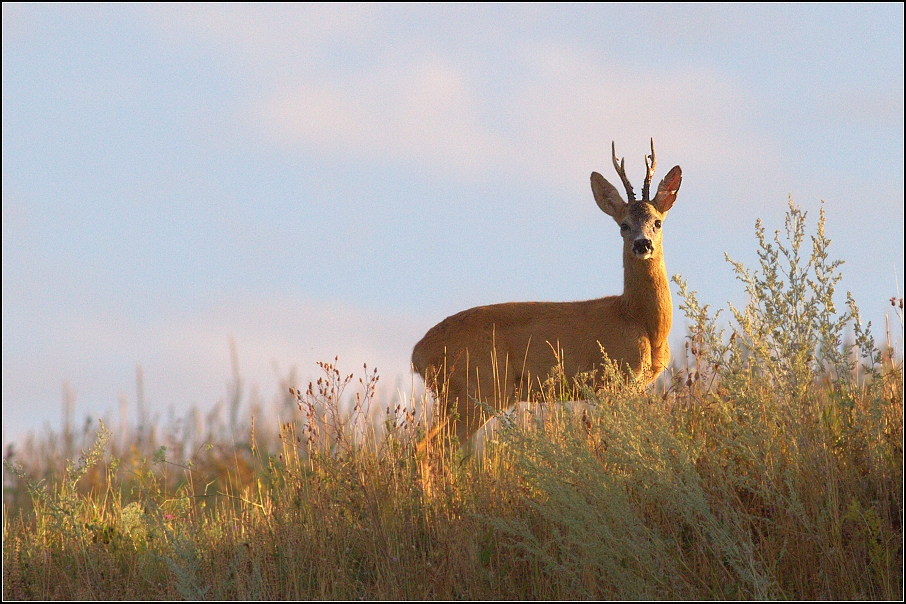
(646, 295)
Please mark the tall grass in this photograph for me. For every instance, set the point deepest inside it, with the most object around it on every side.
(769, 464)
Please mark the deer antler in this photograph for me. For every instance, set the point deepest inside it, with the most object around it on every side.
(650, 172)
(620, 167)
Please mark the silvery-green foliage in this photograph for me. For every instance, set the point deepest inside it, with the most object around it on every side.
(790, 331)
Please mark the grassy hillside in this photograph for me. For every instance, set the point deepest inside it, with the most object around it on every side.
(767, 464)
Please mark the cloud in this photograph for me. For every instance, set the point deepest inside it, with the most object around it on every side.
(573, 103)
(558, 118)
(274, 32)
(873, 108)
(328, 83)
(424, 112)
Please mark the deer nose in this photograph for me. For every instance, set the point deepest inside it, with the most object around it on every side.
(642, 246)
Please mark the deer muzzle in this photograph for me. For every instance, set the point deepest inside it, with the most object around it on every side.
(642, 248)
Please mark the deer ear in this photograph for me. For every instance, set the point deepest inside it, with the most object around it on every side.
(606, 195)
(666, 191)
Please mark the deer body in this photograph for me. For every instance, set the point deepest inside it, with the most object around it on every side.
(495, 353)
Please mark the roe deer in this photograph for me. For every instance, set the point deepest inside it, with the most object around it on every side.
(487, 356)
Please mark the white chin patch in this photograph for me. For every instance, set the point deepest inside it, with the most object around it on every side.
(645, 256)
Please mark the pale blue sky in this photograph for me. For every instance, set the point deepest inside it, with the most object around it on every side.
(333, 180)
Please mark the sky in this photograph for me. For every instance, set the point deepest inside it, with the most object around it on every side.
(323, 181)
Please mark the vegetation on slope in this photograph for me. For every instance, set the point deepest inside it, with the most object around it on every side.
(768, 464)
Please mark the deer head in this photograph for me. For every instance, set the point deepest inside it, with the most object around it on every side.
(640, 220)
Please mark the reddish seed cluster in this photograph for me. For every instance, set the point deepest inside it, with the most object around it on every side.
(402, 417)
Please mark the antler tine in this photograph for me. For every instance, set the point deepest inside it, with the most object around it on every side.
(620, 167)
(650, 172)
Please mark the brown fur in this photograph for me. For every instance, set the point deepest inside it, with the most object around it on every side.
(493, 353)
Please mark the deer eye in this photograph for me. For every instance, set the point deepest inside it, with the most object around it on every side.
(624, 227)
(657, 224)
